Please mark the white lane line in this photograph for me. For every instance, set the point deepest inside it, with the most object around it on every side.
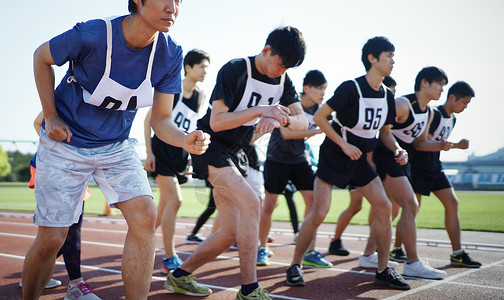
(427, 242)
(477, 285)
(449, 279)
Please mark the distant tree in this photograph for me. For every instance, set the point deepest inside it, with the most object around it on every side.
(5, 166)
(20, 166)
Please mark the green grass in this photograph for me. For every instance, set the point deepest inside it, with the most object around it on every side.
(479, 211)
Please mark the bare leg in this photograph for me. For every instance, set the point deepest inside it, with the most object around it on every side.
(138, 253)
(395, 211)
(269, 204)
(381, 229)
(40, 260)
(452, 220)
(321, 203)
(216, 223)
(308, 199)
(169, 191)
(346, 216)
(399, 189)
(239, 205)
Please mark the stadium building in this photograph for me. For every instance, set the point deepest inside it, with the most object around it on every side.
(478, 172)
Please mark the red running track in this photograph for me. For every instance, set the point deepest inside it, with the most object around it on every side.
(102, 247)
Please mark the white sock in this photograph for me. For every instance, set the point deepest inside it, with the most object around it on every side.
(71, 285)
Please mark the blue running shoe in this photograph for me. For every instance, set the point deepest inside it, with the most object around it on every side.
(170, 264)
(314, 259)
(262, 257)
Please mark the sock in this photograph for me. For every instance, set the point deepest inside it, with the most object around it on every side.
(179, 273)
(460, 251)
(249, 288)
(71, 285)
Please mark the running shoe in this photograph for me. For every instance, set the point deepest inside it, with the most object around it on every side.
(185, 285)
(262, 257)
(422, 269)
(270, 239)
(194, 239)
(392, 279)
(50, 285)
(336, 248)
(315, 259)
(371, 261)
(81, 291)
(397, 254)
(234, 246)
(463, 259)
(170, 264)
(258, 294)
(294, 276)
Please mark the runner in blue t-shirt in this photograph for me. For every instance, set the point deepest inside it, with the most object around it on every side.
(113, 67)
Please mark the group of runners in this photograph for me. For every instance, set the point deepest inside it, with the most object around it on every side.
(121, 64)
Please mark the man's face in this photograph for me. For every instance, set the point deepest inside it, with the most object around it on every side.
(460, 104)
(434, 89)
(273, 66)
(198, 71)
(385, 63)
(315, 93)
(159, 14)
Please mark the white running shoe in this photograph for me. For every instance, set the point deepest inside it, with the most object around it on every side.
(81, 291)
(422, 269)
(371, 261)
(50, 285)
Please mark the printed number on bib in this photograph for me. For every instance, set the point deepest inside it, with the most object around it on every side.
(255, 98)
(182, 122)
(445, 132)
(372, 118)
(415, 131)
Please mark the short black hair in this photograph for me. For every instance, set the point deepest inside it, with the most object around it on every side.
(132, 7)
(375, 46)
(461, 89)
(388, 81)
(430, 74)
(195, 56)
(288, 43)
(314, 78)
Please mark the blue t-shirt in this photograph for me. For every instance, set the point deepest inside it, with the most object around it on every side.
(85, 46)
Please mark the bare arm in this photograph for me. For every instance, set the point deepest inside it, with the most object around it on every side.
(320, 119)
(44, 80)
(161, 121)
(222, 119)
(297, 119)
(402, 110)
(462, 144)
(401, 156)
(38, 122)
(150, 161)
(288, 134)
